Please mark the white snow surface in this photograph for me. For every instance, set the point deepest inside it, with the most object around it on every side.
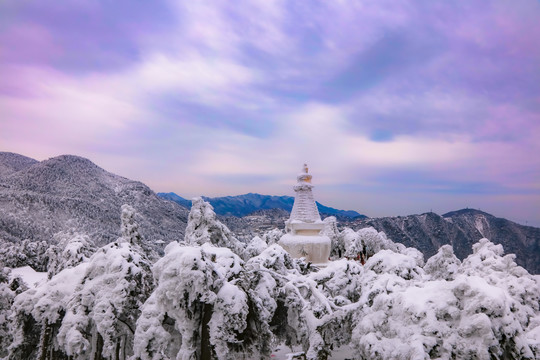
(48, 298)
(31, 277)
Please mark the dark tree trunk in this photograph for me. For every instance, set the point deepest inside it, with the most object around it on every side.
(117, 350)
(45, 341)
(206, 347)
(99, 348)
(32, 337)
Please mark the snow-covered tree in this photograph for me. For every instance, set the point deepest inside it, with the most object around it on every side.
(271, 237)
(195, 290)
(70, 249)
(331, 230)
(101, 315)
(130, 232)
(129, 226)
(374, 241)
(351, 244)
(203, 227)
(38, 313)
(156, 337)
(340, 281)
(263, 279)
(299, 307)
(254, 248)
(443, 265)
(7, 294)
(520, 308)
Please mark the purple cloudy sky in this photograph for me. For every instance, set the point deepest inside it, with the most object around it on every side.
(398, 107)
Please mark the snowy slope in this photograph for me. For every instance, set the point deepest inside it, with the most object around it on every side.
(427, 232)
(39, 199)
(11, 162)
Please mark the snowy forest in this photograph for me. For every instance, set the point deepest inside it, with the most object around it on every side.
(212, 295)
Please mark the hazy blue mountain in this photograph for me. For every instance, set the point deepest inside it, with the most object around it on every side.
(177, 199)
(242, 205)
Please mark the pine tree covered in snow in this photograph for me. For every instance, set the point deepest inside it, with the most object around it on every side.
(331, 230)
(27, 252)
(129, 226)
(70, 249)
(7, 294)
(189, 293)
(203, 227)
(101, 315)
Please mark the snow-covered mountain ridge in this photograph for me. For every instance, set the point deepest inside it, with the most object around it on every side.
(426, 232)
(39, 199)
(461, 229)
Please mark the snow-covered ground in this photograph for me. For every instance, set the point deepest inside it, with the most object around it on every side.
(283, 352)
(31, 277)
(248, 296)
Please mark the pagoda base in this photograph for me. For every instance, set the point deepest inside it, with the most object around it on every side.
(314, 248)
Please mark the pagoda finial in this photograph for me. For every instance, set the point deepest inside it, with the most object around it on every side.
(304, 177)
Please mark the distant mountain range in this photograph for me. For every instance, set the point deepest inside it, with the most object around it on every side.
(39, 199)
(461, 229)
(242, 205)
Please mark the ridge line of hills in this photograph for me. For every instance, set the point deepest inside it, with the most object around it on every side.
(246, 204)
(40, 199)
(67, 192)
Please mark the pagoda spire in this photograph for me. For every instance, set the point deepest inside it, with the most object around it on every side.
(304, 208)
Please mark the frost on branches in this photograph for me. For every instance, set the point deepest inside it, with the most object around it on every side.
(87, 310)
(195, 294)
(203, 227)
(101, 314)
(484, 309)
(70, 249)
(7, 294)
(212, 297)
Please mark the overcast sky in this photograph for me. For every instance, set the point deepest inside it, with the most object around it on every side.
(398, 107)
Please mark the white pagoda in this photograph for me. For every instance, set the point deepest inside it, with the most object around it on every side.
(303, 236)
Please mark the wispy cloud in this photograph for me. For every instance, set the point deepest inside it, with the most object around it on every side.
(438, 99)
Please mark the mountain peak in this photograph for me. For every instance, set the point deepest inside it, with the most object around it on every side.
(57, 191)
(11, 163)
(72, 162)
(466, 211)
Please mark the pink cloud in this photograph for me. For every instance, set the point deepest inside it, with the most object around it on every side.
(27, 43)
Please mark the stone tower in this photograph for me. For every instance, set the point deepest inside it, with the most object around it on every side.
(303, 237)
